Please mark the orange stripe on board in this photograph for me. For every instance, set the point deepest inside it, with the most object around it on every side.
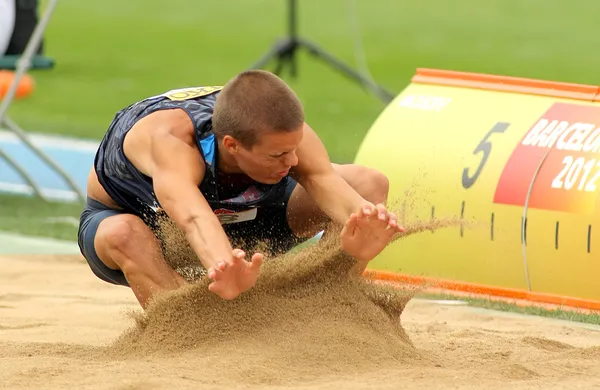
(480, 289)
(507, 84)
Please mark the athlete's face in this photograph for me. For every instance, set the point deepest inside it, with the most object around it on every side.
(271, 157)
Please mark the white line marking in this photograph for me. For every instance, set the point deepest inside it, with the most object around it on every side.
(66, 220)
(54, 142)
(24, 189)
(12, 243)
(449, 302)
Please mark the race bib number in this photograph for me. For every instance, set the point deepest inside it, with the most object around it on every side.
(227, 216)
(191, 93)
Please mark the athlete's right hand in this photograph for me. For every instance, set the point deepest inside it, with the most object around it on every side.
(233, 277)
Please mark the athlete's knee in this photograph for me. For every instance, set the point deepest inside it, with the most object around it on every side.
(121, 238)
(373, 185)
(380, 183)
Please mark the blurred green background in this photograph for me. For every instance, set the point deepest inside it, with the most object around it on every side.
(111, 53)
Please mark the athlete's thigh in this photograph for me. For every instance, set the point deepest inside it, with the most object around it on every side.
(123, 236)
(92, 218)
(108, 238)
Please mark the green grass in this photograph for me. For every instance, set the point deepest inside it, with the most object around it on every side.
(112, 53)
(34, 217)
(568, 314)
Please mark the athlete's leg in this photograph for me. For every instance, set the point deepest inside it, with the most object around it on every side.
(125, 243)
(121, 249)
(306, 219)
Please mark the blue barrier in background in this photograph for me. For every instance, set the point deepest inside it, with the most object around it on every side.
(74, 156)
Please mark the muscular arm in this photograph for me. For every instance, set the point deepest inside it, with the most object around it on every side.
(177, 169)
(315, 173)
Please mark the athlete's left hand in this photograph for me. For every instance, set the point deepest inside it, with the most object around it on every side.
(368, 231)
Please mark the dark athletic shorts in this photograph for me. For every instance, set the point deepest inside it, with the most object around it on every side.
(270, 226)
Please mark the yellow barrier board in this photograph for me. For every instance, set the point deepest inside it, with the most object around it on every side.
(518, 163)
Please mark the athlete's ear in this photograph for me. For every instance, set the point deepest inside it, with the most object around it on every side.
(231, 144)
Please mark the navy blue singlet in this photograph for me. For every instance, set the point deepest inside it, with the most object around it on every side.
(133, 191)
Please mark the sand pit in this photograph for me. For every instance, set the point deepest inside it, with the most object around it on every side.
(60, 327)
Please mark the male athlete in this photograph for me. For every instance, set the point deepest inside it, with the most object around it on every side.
(230, 166)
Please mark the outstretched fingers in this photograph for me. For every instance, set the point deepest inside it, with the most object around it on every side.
(256, 261)
(393, 223)
(366, 210)
(238, 255)
(216, 273)
(350, 225)
(382, 213)
(389, 219)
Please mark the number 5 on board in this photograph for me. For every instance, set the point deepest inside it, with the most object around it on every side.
(485, 146)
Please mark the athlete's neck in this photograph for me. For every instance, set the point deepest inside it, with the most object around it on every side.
(226, 162)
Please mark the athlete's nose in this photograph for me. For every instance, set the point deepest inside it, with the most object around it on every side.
(291, 159)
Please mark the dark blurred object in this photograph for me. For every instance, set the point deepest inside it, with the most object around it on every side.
(37, 62)
(26, 18)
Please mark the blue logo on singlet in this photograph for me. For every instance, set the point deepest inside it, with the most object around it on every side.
(208, 148)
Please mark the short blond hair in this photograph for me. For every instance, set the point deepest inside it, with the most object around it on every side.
(255, 101)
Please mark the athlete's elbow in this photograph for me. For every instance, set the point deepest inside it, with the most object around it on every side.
(194, 221)
(189, 224)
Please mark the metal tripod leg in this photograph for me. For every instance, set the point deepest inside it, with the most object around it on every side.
(285, 51)
(21, 171)
(282, 51)
(274, 53)
(376, 89)
(47, 159)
